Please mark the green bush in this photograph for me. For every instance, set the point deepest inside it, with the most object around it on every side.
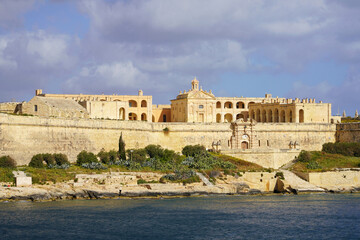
(85, 157)
(61, 159)
(304, 156)
(37, 161)
(193, 150)
(7, 162)
(346, 149)
(137, 155)
(104, 157)
(154, 151)
(49, 158)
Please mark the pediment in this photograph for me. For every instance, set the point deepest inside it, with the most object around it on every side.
(201, 94)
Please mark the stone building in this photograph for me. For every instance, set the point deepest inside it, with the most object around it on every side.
(54, 107)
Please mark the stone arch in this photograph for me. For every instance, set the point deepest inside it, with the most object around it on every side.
(301, 115)
(252, 114)
(244, 145)
(143, 103)
(258, 115)
(132, 103)
(290, 117)
(240, 105)
(228, 117)
(218, 118)
(143, 117)
(132, 116)
(263, 118)
(270, 116)
(218, 104)
(228, 105)
(122, 113)
(276, 115)
(240, 115)
(282, 116)
(249, 104)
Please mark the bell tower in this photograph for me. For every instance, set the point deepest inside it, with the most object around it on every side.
(195, 84)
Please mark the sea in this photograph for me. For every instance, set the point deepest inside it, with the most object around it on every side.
(308, 216)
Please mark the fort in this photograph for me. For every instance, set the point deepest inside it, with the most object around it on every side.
(268, 131)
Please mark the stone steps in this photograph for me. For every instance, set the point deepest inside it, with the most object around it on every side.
(299, 184)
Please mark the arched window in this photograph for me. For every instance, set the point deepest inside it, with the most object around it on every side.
(270, 116)
(282, 116)
(240, 105)
(258, 115)
(122, 113)
(143, 117)
(240, 115)
(218, 117)
(276, 118)
(132, 116)
(228, 105)
(290, 116)
(249, 104)
(132, 103)
(301, 116)
(143, 103)
(264, 116)
(228, 117)
(218, 105)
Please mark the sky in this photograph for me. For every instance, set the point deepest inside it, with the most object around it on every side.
(298, 48)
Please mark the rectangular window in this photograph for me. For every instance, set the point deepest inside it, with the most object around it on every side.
(164, 118)
(35, 108)
(259, 143)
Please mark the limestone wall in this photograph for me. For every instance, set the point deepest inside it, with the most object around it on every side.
(22, 137)
(335, 180)
(278, 135)
(271, 158)
(348, 132)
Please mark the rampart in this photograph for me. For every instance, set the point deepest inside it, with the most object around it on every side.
(348, 132)
(24, 136)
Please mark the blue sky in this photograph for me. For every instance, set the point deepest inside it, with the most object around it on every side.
(235, 48)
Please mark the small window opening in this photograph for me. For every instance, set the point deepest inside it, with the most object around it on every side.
(35, 108)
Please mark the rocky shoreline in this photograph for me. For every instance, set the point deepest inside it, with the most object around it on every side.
(55, 194)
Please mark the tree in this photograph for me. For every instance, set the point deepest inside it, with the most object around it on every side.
(122, 153)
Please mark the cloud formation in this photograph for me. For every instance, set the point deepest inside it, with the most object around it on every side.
(160, 45)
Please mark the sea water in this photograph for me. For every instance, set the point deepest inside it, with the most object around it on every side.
(310, 216)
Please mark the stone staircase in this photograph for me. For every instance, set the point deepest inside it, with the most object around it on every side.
(299, 184)
(204, 179)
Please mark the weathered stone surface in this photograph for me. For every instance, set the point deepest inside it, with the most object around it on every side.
(279, 186)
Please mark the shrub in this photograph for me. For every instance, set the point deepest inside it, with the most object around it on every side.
(93, 165)
(85, 157)
(113, 156)
(346, 149)
(304, 156)
(37, 161)
(7, 162)
(154, 151)
(55, 166)
(61, 159)
(122, 153)
(137, 155)
(104, 157)
(49, 158)
(193, 150)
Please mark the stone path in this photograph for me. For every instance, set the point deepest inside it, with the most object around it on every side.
(299, 184)
(204, 179)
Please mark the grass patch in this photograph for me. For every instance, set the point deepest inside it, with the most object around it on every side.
(240, 164)
(321, 161)
(6, 175)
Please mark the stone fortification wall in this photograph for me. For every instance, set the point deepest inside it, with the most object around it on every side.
(309, 136)
(22, 137)
(348, 132)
